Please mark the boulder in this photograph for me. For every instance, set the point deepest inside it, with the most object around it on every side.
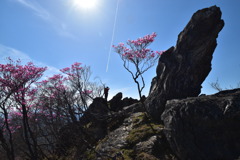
(97, 111)
(205, 127)
(117, 104)
(182, 69)
(129, 101)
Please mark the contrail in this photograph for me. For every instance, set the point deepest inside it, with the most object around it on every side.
(113, 34)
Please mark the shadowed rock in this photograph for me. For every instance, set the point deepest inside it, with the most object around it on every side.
(182, 69)
(205, 127)
(117, 104)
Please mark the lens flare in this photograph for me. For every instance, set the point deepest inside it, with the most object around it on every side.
(85, 4)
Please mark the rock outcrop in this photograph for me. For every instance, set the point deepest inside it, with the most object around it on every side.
(135, 138)
(205, 127)
(195, 128)
(182, 69)
(117, 103)
(188, 127)
(100, 118)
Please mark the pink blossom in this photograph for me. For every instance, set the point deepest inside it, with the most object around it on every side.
(137, 51)
(87, 92)
(65, 69)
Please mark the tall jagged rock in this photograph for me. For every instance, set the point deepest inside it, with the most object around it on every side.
(182, 69)
(205, 127)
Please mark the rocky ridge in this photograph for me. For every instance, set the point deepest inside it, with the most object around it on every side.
(182, 125)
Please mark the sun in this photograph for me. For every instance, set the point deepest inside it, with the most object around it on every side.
(85, 4)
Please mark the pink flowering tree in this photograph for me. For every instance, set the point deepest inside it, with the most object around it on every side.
(58, 100)
(137, 58)
(65, 98)
(79, 78)
(16, 81)
(32, 113)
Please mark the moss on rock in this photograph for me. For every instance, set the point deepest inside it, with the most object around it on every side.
(142, 129)
(127, 154)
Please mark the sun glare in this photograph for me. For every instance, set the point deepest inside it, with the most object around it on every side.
(85, 4)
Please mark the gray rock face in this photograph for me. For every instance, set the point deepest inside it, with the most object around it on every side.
(205, 127)
(182, 69)
(116, 140)
(135, 138)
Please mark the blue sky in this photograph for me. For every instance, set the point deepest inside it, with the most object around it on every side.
(57, 33)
